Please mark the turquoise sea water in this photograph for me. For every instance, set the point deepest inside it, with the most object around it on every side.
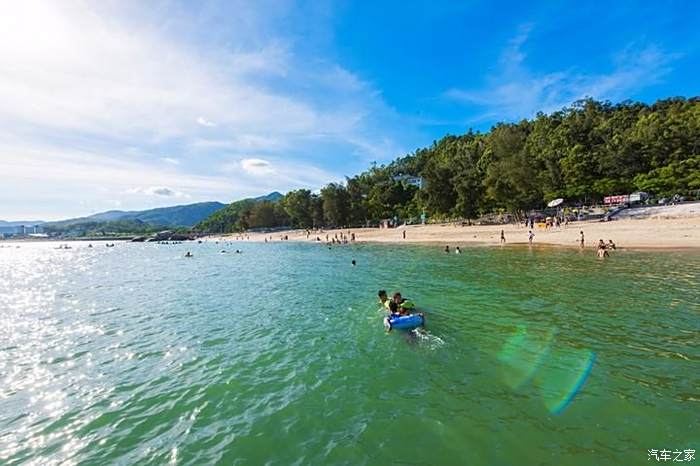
(136, 355)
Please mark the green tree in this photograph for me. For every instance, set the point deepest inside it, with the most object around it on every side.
(336, 204)
(297, 205)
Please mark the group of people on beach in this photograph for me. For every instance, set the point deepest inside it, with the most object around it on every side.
(549, 222)
(397, 305)
(603, 248)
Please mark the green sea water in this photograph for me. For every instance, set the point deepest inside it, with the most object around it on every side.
(277, 356)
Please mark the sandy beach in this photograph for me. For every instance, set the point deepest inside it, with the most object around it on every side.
(673, 227)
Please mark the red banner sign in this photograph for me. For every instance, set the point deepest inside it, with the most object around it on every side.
(623, 199)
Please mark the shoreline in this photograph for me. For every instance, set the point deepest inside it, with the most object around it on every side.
(659, 234)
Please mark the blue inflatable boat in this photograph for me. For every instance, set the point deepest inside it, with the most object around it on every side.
(403, 322)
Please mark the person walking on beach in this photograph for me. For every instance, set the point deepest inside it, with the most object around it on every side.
(530, 236)
(503, 237)
(581, 241)
(403, 233)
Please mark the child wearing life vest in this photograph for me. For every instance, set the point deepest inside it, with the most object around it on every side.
(405, 306)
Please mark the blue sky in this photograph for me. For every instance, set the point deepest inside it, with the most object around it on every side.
(132, 105)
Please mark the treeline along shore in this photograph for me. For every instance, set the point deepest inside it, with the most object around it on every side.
(582, 153)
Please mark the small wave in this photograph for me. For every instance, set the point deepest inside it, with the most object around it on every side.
(427, 339)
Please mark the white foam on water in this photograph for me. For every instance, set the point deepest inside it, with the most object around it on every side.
(426, 338)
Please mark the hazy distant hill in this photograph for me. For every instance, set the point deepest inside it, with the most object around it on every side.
(137, 220)
(180, 215)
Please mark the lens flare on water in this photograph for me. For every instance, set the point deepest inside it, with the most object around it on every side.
(562, 375)
(522, 354)
(558, 372)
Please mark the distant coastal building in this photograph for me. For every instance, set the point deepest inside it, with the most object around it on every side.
(9, 231)
(416, 181)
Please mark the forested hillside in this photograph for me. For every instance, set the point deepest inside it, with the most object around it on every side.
(581, 153)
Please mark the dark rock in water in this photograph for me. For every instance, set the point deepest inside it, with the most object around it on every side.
(163, 235)
(139, 239)
(180, 237)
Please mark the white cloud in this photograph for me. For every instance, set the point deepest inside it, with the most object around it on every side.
(171, 160)
(163, 191)
(256, 166)
(204, 122)
(516, 91)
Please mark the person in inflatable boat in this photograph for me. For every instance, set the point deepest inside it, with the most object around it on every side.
(404, 306)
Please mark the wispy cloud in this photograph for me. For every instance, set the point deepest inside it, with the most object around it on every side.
(270, 173)
(517, 91)
(115, 84)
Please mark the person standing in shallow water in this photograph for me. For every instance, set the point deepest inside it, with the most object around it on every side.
(530, 236)
(581, 241)
(503, 237)
(447, 249)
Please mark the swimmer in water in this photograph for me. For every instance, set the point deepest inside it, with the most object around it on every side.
(383, 298)
(188, 254)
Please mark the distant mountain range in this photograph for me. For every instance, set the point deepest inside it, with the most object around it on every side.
(175, 216)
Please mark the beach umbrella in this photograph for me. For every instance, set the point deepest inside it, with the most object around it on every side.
(555, 202)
